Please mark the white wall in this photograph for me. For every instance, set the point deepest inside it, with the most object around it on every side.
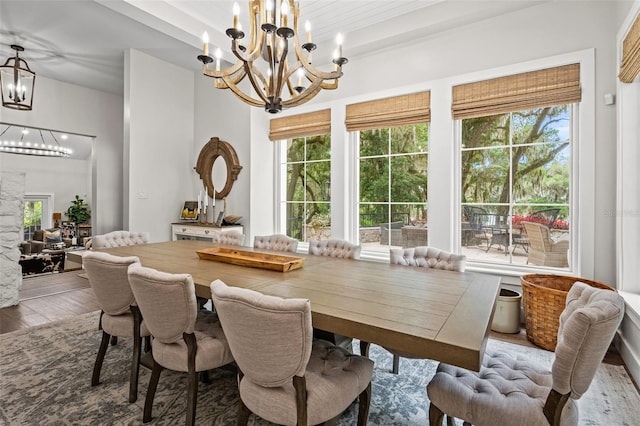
(218, 113)
(159, 122)
(63, 177)
(549, 29)
(76, 109)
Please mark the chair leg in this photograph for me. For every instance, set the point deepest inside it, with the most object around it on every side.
(363, 406)
(243, 414)
(396, 364)
(435, 415)
(114, 340)
(135, 369)
(192, 397)
(147, 344)
(151, 392)
(364, 348)
(104, 344)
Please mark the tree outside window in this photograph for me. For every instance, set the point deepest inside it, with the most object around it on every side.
(308, 188)
(393, 185)
(515, 167)
(32, 218)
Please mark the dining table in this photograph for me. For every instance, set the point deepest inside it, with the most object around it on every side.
(428, 313)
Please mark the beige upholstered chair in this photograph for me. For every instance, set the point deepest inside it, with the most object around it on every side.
(120, 316)
(285, 376)
(510, 390)
(334, 248)
(542, 250)
(276, 242)
(231, 238)
(184, 338)
(119, 238)
(422, 257)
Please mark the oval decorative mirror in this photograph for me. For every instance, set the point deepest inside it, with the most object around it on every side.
(213, 155)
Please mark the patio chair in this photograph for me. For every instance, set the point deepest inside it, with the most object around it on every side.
(511, 390)
(547, 216)
(475, 232)
(283, 375)
(542, 250)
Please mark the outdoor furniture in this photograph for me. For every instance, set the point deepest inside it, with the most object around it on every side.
(391, 233)
(276, 242)
(120, 316)
(542, 250)
(475, 230)
(414, 236)
(185, 339)
(283, 375)
(511, 390)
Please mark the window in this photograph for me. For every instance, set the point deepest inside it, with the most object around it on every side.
(515, 168)
(307, 201)
(393, 187)
(36, 213)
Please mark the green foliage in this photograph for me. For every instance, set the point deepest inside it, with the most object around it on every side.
(32, 213)
(78, 211)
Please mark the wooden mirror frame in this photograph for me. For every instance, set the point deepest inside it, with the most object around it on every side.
(204, 166)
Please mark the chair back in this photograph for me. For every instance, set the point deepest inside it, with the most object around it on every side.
(108, 278)
(276, 242)
(539, 237)
(270, 337)
(334, 248)
(547, 216)
(587, 326)
(167, 302)
(231, 238)
(119, 239)
(428, 257)
(475, 216)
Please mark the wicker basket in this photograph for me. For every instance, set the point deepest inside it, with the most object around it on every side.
(543, 299)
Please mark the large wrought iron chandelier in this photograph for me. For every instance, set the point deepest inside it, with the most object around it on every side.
(279, 79)
(17, 82)
(25, 146)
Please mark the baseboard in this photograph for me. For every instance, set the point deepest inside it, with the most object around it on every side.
(628, 337)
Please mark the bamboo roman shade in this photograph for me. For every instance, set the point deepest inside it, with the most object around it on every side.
(536, 89)
(630, 65)
(389, 112)
(297, 126)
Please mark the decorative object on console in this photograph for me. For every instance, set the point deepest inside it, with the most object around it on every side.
(17, 82)
(189, 211)
(78, 211)
(271, 42)
(206, 159)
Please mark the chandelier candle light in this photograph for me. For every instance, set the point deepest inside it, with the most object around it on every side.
(17, 82)
(28, 148)
(264, 59)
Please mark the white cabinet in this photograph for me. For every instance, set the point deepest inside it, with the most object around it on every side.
(195, 231)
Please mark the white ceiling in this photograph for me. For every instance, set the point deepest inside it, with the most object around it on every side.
(83, 41)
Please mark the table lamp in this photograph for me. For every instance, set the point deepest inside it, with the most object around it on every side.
(56, 219)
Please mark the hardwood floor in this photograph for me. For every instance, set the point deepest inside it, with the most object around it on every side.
(49, 298)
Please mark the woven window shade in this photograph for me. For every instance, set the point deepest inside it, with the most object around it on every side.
(390, 112)
(297, 126)
(536, 89)
(630, 65)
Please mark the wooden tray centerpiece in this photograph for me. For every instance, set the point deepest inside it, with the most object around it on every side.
(254, 259)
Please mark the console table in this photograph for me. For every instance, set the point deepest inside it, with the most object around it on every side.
(199, 232)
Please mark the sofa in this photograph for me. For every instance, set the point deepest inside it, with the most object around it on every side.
(44, 238)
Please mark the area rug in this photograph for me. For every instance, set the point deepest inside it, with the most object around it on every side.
(45, 375)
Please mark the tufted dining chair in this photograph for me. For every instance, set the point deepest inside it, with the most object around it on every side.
(119, 316)
(344, 250)
(277, 242)
(284, 376)
(185, 339)
(119, 239)
(231, 238)
(335, 248)
(422, 257)
(511, 390)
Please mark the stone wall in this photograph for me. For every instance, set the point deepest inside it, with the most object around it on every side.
(11, 221)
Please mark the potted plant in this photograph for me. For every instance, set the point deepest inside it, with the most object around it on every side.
(78, 211)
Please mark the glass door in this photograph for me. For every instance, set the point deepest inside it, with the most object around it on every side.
(37, 213)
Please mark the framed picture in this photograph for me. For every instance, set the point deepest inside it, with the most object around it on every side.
(68, 229)
(189, 211)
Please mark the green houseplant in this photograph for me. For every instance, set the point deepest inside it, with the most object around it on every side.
(78, 211)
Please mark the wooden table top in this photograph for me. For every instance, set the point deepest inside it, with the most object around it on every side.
(435, 314)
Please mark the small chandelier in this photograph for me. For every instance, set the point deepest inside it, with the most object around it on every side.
(25, 147)
(17, 82)
(264, 59)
